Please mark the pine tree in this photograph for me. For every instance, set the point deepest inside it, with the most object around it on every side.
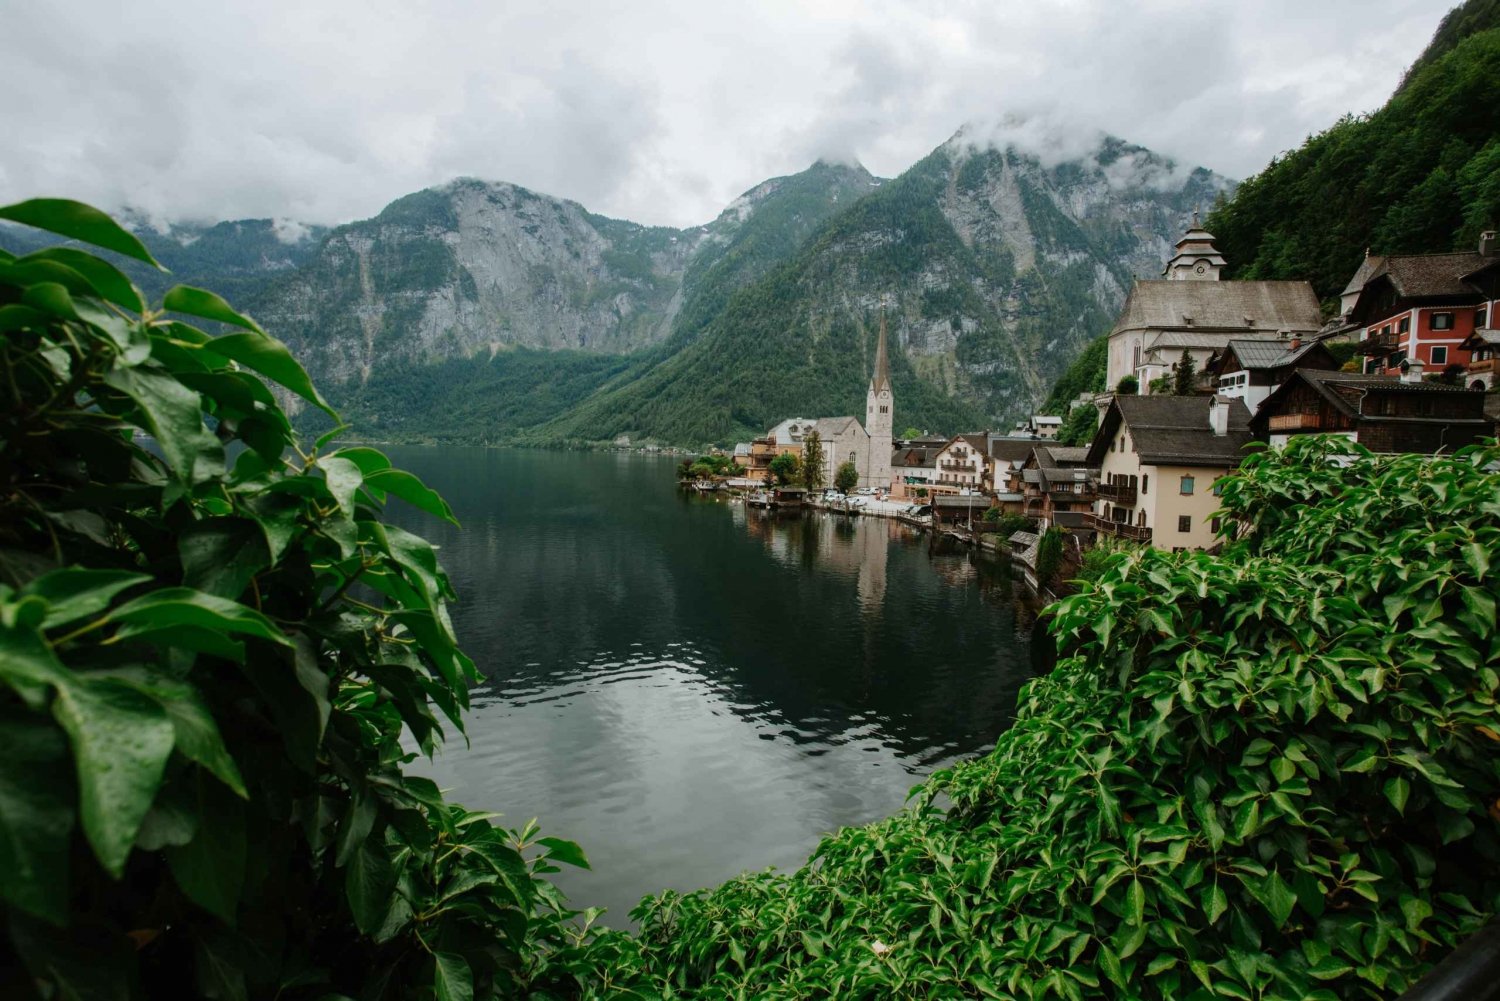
(812, 461)
(1186, 379)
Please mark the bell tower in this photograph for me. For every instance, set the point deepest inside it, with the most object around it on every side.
(1196, 259)
(879, 417)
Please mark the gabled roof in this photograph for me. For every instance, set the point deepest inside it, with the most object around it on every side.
(1347, 391)
(1011, 449)
(1173, 430)
(1426, 276)
(1176, 305)
(829, 427)
(914, 458)
(1368, 268)
(1257, 354)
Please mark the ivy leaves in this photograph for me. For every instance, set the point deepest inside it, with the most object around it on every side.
(210, 650)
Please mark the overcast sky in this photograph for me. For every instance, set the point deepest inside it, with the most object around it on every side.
(649, 110)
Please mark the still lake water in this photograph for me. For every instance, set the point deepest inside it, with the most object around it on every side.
(690, 689)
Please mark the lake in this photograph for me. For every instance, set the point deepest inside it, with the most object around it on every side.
(690, 689)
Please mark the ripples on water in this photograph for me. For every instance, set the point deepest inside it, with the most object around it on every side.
(690, 689)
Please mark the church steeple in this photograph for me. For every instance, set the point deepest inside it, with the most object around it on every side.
(880, 378)
(879, 406)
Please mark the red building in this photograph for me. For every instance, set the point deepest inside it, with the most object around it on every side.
(1483, 344)
(1422, 308)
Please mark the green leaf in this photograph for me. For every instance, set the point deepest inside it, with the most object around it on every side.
(36, 815)
(121, 741)
(369, 881)
(197, 735)
(559, 850)
(201, 303)
(107, 280)
(79, 222)
(1397, 790)
(262, 353)
(28, 665)
(210, 868)
(171, 607)
(344, 480)
(173, 415)
(451, 980)
(220, 555)
(75, 593)
(404, 485)
(369, 460)
(1215, 902)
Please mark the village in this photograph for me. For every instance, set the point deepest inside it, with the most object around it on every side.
(1199, 367)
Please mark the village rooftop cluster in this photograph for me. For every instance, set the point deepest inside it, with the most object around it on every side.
(1198, 367)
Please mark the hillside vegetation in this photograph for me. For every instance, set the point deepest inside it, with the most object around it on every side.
(1420, 175)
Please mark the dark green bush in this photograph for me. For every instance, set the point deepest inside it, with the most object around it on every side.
(209, 648)
(1270, 773)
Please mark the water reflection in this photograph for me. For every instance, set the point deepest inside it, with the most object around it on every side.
(690, 688)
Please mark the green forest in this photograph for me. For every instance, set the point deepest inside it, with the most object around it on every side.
(1420, 175)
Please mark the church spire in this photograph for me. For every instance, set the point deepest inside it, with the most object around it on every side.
(881, 377)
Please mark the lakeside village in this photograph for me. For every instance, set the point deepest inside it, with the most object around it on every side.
(1198, 367)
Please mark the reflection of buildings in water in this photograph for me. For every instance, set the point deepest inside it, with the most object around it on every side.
(737, 514)
(954, 568)
(872, 541)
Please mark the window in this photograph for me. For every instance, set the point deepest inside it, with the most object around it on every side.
(1442, 321)
(1440, 354)
(1385, 331)
(1184, 523)
(1186, 487)
(1218, 488)
(1145, 482)
(1405, 324)
(885, 410)
(1213, 525)
(1481, 316)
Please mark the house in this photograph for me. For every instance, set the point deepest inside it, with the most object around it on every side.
(1045, 426)
(1383, 413)
(914, 468)
(1483, 344)
(1058, 486)
(1008, 457)
(1422, 307)
(1192, 310)
(963, 464)
(1158, 458)
(1250, 370)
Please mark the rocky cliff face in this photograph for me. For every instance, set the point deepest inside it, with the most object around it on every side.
(474, 268)
(994, 267)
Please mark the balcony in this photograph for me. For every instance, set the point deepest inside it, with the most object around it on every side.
(1118, 493)
(1296, 422)
(1380, 344)
(1124, 530)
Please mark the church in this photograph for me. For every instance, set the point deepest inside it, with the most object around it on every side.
(843, 438)
(1191, 308)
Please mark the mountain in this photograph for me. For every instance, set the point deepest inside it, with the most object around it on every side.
(471, 269)
(1422, 174)
(995, 268)
(237, 258)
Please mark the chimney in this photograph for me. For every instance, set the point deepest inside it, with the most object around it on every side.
(1488, 245)
(1411, 370)
(1218, 416)
(1296, 342)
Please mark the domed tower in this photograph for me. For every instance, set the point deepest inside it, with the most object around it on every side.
(879, 406)
(1196, 259)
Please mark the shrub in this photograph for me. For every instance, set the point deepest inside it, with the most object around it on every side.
(1266, 773)
(1128, 386)
(209, 648)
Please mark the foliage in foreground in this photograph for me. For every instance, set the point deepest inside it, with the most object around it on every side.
(1268, 774)
(209, 647)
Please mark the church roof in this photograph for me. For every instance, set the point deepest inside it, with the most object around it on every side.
(831, 427)
(1164, 304)
(881, 377)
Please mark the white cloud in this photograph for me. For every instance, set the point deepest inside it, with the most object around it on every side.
(660, 110)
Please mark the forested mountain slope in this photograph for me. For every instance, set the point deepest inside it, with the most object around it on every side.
(1422, 174)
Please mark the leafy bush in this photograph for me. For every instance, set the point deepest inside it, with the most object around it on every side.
(1049, 555)
(846, 478)
(1128, 385)
(1268, 773)
(209, 648)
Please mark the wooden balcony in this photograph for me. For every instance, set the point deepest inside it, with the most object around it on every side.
(1377, 344)
(1124, 530)
(1118, 493)
(1297, 422)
